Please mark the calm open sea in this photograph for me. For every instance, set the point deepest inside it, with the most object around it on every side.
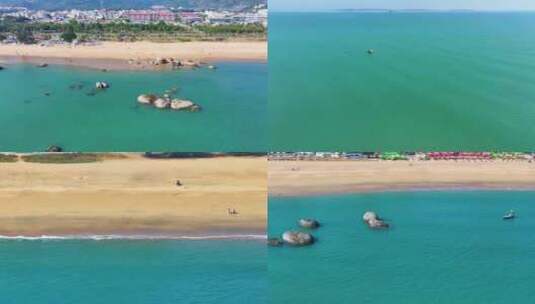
(443, 247)
(133, 271)
(437, 81)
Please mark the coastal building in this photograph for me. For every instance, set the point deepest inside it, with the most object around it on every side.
(148, 16)
(190, 17)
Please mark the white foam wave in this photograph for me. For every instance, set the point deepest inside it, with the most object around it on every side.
(137, 237)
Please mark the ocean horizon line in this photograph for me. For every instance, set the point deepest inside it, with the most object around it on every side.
(415, 10)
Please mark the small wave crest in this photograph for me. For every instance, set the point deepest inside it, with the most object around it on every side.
(136, 237)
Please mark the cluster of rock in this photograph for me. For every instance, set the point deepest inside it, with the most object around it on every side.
(1, 67)
(299, 238)
(165, 102)
(374, 221)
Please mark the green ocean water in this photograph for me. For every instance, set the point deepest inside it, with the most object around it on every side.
(233, 97)
(132, 271)
(442, 248)
(437, 81)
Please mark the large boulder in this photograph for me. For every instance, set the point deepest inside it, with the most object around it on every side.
(296, 238)
(377, 224)
(309, 223)
(369, 215)
(102, 85)
(162, 103)
(147, 98)
(178, 104)
(374, 221)
(184, 105)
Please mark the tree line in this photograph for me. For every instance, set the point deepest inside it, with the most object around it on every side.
(24, 30)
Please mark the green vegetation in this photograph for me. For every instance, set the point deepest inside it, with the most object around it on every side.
(62, 158)
(9, 158)
(232, 29)
(69, 35)
(25, 31)
(25, 35)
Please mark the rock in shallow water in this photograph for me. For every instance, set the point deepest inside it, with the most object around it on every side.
(309, 223)
(102, 85)
(373, 220)
(275, 242)
(296, 238)
(162, 103)
(147, 98)
(54, 149)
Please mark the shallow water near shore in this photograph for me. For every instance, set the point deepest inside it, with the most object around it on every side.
(443, 247)
(59, 105)
(132, 271)
(437, 81)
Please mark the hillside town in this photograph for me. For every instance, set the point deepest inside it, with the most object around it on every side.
(254, 15)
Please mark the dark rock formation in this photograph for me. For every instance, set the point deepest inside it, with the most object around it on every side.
(309, 223)
(102, 85)
(54, 149)
(374, 221)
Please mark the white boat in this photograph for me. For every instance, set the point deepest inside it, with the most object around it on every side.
(509, 215)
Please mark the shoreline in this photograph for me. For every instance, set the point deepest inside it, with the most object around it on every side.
(134, 196)
(110, 237)
(402, 188)
(133, 56)
(318, 178)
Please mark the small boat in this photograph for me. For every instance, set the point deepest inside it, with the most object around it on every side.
(509, 215)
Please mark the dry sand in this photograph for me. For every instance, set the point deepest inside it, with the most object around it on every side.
(115, 55)
(294, 178)
(134, 196)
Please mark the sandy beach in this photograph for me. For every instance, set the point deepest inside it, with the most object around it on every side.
(296, 178)
(134, 196)
(133, 55)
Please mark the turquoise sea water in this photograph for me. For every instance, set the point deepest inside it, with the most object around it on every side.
(443, 247)
(127, 271)
(437, 81)
(234, 99)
